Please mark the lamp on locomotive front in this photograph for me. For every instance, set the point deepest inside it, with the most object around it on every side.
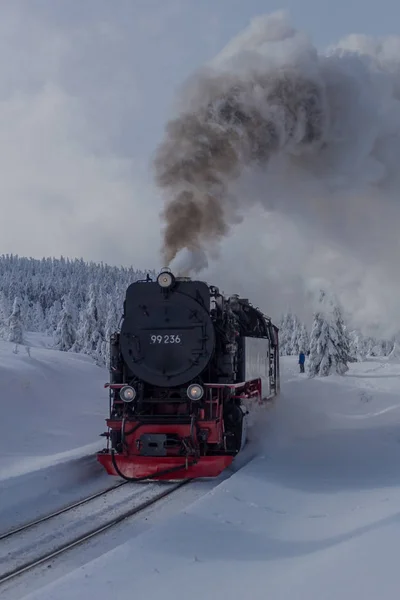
(165, 279)
(127, 393)
(195, 392)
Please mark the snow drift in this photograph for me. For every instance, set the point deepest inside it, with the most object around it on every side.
(311, 135)
(53, 407)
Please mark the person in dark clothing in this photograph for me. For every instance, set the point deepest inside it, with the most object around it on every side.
(302, 360)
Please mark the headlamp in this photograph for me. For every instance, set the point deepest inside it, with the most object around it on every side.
(127, 393)
(195, 392)
(165, 279)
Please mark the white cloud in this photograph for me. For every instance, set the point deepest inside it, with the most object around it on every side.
(60, 197)
(68, 183)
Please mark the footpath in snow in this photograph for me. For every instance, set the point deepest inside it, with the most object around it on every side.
(314, 516)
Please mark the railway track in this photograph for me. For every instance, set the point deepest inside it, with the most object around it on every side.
(65, 509)
(39, 541)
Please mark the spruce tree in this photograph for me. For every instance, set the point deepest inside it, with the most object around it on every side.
(296, 333)
(4, 314)
(357, 346)
(341, 342)
(317, 346)
(15, 323)
(394, 355)
(284, 334)
(329, 344)
(304, 339)
(113, 317)
(64, 336)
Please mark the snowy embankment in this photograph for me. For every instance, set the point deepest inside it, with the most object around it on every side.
(53, 406)
(314, 516)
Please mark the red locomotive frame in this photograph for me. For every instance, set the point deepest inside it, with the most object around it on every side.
(208, 421)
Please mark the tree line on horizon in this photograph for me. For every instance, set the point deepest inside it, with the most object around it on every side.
(79, 304)
(76, 303)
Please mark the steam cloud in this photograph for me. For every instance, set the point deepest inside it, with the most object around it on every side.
(271, 121)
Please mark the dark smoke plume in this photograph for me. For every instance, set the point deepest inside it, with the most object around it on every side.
(322, 129)
(205, 150)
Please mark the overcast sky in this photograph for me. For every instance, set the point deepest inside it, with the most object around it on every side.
(86, 87)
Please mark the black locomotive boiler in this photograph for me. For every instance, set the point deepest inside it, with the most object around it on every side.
(184, 366)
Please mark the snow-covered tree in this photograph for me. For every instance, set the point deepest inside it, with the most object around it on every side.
(370, 343)
(90, 334)
(53, 317)
(285, 334)
(293, 335)
(64, 336)
(4, 314)
(113, 318)
(357, 346)
(394, 355)
(295, 338)
(318, 344)
(45, 282)
(329, 347)
(37, 318)
(15, 323)
(341, 341)
(304, 339)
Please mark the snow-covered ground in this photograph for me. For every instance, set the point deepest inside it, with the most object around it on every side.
(314, 515)
(53, 406)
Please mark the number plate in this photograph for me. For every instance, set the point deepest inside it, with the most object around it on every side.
(170, 338)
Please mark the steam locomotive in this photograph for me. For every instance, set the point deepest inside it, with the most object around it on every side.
(184, 366)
